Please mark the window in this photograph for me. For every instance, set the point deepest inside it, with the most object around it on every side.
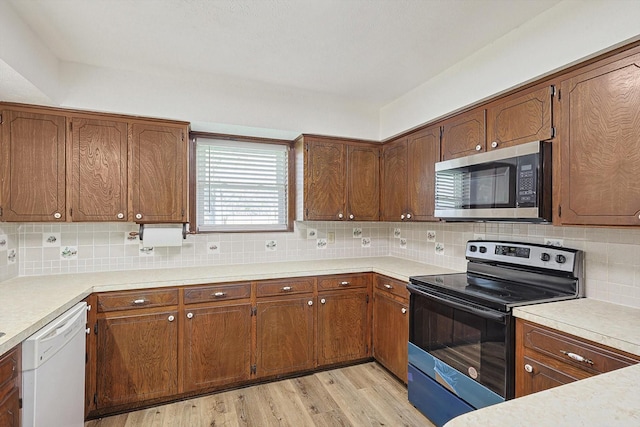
(241, 186)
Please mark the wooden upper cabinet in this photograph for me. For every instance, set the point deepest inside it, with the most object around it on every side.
(363, 183)
(324, 180)
(341, 179)
(32, 165)
(600, 145)
(464, 134)
(520, 118)
(408, 176)
(423, 151)
(158, 172)
(394, 180)
(98, 169)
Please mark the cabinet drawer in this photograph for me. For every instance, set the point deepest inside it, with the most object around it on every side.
(343, 281)
(284, 287)
(131, 300)
(9, 368)
(582, 354)
(220, 292)
(392, 286)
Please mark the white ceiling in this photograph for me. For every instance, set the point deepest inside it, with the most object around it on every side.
(369, 51)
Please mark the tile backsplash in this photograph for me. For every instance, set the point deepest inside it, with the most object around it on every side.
(612, 255)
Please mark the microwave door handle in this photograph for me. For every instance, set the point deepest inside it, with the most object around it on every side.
(493, 315)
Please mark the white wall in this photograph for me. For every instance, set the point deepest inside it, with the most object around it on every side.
(569, 32)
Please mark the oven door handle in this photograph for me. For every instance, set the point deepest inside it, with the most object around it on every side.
(469, 308)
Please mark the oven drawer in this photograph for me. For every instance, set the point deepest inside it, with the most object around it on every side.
(393, 286)
(131, 300)
(590, 357)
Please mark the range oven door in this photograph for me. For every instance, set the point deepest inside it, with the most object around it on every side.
(460, 351)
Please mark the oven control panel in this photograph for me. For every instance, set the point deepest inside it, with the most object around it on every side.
(526, 254)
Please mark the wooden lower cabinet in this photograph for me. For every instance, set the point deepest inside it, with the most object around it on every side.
(216, 345)
(391, 326)
(137, 357)
(285, 335)
(10, 384)
(344, 329)
(547, 358)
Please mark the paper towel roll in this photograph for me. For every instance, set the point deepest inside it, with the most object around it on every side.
(162, 235)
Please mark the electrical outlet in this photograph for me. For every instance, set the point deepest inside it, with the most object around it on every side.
(553, 242)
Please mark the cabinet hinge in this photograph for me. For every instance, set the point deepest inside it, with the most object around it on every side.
(254, 311)
(182, 136)
(253, 369)
(553, 91)
(0, 119)
(306, 147)
(0, 211)
(366, 348)
(367, 299)
(305, 214)
(70, 126)
(95, 328)
(559, 94)
(559, 210)
(95, 398)
(553, 131)
(86, 358)
(71, 212)
(20, 403)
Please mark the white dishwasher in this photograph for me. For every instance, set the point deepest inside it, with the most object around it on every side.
(53, 361)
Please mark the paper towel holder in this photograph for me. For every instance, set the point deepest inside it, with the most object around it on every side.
(184, 231)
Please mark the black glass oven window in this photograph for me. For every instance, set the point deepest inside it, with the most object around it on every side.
(471, 344)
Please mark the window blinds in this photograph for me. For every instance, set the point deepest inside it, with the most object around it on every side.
(241, 186)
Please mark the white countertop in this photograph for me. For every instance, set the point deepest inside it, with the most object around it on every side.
(29, 303)
(609, 399)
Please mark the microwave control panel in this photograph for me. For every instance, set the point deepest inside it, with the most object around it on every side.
(527, 181)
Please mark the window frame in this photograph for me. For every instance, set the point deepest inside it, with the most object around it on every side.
(193, 180)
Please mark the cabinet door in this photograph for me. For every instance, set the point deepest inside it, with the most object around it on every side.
(136, 358)
(10, 409)
(464, 135)
(343, 327)
(391, 334)
(158, 173)
(539, 376)
(600, 137)
(285, 340)
(32, 166)
(423, 149)
(520, 118)
(10, 383)
(217, 345)
(324, 180)
(363, 183)
(98, 170)
(394, 181)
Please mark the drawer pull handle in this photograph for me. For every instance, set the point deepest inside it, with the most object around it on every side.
(140, 301)
(528, 368)
(577, 357)
(344, 283)
(219, 294)
(286, 288)
(388, 286)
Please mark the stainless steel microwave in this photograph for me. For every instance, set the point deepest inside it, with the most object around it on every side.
(508, 184)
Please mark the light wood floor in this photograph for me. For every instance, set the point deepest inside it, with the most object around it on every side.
(361, 395)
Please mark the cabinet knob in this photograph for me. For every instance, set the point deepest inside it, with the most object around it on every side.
(171, 318)
(139, 216)
(528, 368)
(310, 303)
(340, 216)
(57, 215)
(494, 144)
(322, 301)
(408, 216)
(404, 310)
(402, 216)
(351, 216)
(388, 286)
(286, 288)
(478, 147)
(189, 315)
(120, 215)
